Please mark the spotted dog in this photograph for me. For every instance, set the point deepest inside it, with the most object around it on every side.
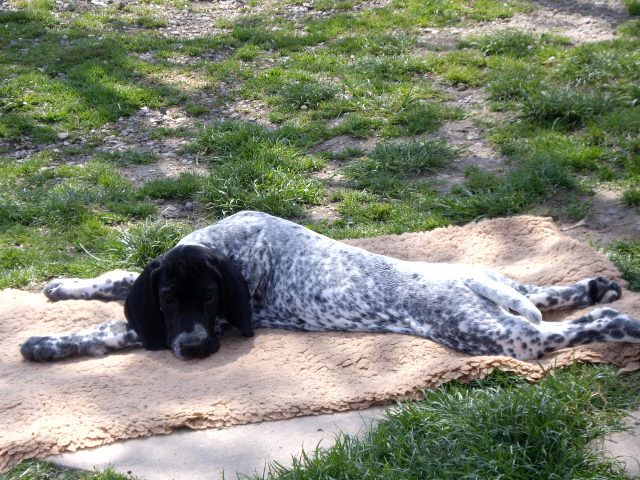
(254, 270)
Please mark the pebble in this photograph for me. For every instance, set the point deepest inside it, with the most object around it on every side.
(170, 212)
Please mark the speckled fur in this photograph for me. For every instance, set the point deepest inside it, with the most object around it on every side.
(301, 280)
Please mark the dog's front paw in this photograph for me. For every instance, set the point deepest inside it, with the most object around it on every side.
(62, 289)
(40, 349)
(603, 290)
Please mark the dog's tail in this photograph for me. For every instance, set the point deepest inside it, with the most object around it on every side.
(506, 297)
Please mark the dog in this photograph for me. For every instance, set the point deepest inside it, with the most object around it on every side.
(255, 270)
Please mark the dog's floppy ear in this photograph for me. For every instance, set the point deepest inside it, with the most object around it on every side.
(142, 309)
(234, 299)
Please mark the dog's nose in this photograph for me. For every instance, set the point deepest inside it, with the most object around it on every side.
(197, 348)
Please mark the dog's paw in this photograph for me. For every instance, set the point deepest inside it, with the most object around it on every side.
(603, 290)
(64, 289)
(40, 349)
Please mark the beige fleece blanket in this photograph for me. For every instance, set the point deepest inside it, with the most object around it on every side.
(49, 408)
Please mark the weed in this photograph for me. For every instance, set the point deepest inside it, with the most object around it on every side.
(631, 197)
(358, 126)
(308, 94)
(576, 207)
(127, 157)
(195, 109)
(147, 240)
(565, 106)
(633, 6)
(401, 159)
(626, 256)
(423, 117)
(187, 185)
(252, 168)
(514, 80)
(511, 42)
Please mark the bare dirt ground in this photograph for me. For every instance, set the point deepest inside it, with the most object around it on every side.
(582, 21)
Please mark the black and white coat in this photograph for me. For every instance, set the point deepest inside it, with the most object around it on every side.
(255, 270)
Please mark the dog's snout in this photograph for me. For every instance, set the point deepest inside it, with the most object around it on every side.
(194, 344)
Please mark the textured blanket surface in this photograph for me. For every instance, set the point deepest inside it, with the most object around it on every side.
(47, 408)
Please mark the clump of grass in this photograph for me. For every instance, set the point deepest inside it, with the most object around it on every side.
(513, 80)
(253, 168)
(358, 126)
(147, 240)
(595, 64)
(151, 22)
(307, 93)
(39, 470)
(127, 157)
(633, 6)
(626, 256)
(57, 195)
(187, 185)
(463, 75)
(511, 42)
(195, 109)
(402, 158)
(565, 106)
(499, 427)
(388, 169)
(423, 117)
(376, 44)
(631, 197)
(529, 182)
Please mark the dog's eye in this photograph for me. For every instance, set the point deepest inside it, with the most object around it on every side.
(170, 299)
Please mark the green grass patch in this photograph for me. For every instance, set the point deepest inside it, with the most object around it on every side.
(40, 470)
(626, 256)
(187, 185)
(127, 157)
(512, 43)
(392, 168)
(633, 6)
(147, 240)
(57, 219)
(500, 427)
(253, 168)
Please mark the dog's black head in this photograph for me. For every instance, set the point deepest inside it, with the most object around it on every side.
(176, 299)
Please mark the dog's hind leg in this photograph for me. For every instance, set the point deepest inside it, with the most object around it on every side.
(96, 341)
(114, 285)
(600, 325)
(581, 294)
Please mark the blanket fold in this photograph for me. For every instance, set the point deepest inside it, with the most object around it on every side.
(48, 408)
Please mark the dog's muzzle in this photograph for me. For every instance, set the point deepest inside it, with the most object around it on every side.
(194, 344)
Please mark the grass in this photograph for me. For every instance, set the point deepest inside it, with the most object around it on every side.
(500, 427)
(348, 74)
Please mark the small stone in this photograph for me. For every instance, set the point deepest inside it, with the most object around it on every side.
(170, 212)
(63, 135)
(189, 206)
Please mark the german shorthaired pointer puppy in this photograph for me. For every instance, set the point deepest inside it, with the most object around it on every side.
(254, 270)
